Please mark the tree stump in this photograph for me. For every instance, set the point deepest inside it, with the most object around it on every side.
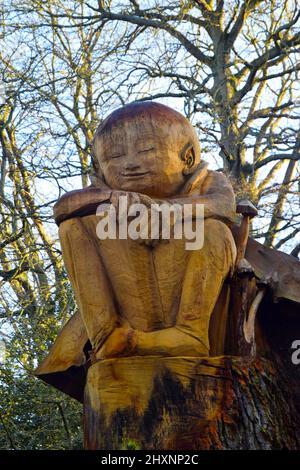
(188, 403)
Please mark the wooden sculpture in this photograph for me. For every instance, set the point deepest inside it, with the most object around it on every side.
(152, 313)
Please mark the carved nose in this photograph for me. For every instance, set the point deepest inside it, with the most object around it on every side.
(132, 166)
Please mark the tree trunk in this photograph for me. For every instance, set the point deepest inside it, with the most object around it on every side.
(187, 403)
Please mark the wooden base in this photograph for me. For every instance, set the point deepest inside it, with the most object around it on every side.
(183, 403)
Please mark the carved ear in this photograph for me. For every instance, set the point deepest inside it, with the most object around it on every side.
(189, 158)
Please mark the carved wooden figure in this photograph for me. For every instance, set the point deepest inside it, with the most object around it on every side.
(152, 313)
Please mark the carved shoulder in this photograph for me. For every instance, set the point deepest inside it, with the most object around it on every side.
(217, 182)
(218, 189)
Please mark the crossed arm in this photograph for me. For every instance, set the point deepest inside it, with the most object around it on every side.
(216, 195)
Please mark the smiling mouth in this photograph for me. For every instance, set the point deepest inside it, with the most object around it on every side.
(135, 174)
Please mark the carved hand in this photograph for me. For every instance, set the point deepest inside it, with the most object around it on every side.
(148, 202)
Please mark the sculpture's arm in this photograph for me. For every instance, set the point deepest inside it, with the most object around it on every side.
(79, 203)
(217, 196)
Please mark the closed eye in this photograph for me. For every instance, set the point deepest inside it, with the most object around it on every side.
(146, 150)
(117, 156)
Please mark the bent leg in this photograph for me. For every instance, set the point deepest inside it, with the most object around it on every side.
(88, 279)
(203, 274)
(206, 271)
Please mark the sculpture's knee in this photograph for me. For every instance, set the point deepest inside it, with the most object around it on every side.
(215, 230)
(219, 242)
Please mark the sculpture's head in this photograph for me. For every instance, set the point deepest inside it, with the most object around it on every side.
(148, 148)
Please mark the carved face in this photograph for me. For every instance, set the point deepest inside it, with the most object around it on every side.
(142, 157)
